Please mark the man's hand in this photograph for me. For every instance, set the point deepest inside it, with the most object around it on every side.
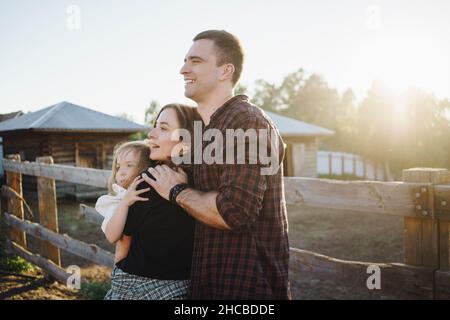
(165, 179)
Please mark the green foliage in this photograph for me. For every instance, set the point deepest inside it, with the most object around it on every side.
(9, 262)
(14, 263)
(125, 116)
(94, 290)
(240, 89)
(151, 112)
(150, 116)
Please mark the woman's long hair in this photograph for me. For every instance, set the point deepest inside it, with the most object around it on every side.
(186, 115)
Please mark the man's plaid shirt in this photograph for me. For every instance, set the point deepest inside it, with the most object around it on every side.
(252, 260)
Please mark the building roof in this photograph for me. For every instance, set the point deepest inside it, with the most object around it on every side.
(11, 115)
(296, 128)
(66, 116)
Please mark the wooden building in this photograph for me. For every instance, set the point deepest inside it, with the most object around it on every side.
(301, 140)
(73, 135)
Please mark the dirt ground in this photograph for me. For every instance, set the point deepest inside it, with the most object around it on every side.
(344, 235)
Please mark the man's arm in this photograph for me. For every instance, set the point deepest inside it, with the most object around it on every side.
(202, 206)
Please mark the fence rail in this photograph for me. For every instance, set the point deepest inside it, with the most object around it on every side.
(422, 199)
(400, 281)
(390, 198)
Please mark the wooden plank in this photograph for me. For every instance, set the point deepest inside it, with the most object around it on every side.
(15, 206)
(412, 241)
(86, 176)
(444, 245)
(421, 240)
(442, 202)
(48, 266)
(89, 252)
(389, 198)
(442, 289)
(90, 214)
(398, 281)
(48, 213)
(413, 233)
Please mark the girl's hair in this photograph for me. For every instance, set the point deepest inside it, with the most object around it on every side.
(186, 115)
(142, 151)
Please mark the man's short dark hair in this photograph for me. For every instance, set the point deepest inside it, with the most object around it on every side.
(229, 49)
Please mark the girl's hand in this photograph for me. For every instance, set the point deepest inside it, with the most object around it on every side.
(131, 196)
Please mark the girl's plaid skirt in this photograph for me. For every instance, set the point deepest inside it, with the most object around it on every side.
(125, 286)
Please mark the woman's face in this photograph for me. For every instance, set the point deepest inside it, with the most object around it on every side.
(161, 144)
(127, 167)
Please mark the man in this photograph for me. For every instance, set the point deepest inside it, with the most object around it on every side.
(241, 248)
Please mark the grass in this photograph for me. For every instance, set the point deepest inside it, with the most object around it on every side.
(94, 290)
(12, 263)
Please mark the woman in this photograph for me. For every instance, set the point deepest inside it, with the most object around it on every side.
(159, 259)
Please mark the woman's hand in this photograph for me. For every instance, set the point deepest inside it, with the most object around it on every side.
(132, 195)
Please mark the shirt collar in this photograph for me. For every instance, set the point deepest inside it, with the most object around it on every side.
(216, 115)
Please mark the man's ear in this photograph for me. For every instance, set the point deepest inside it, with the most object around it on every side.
(228, 71)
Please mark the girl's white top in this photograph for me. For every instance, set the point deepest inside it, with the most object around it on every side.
(107, 204)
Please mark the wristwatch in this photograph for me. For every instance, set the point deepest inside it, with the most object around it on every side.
(175, 191)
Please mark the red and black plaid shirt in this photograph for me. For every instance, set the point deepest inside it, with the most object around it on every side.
(251, 261)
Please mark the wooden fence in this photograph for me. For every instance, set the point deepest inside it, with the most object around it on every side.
(422, 199)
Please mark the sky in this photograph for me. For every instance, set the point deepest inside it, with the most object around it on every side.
(117, 56)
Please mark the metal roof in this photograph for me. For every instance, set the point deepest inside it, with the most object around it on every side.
(296, 128)
(66, 116)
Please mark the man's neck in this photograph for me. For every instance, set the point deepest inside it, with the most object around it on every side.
(210, 104)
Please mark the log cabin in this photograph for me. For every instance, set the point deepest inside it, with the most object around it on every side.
(73, 135)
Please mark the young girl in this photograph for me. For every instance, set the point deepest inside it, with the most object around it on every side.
(130, 159)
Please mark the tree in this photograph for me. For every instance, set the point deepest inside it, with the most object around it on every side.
(400, 130)
(267, 96)
(151, 112)
(406, 130)
(240, 89)
(125, 116)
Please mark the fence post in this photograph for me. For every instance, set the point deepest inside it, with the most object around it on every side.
(442, 276)
(354, 166)
(48, 213)
(15, 206)
(330, 164)
(421, 238)
(364, 169)
(422, 235)
(375, 171)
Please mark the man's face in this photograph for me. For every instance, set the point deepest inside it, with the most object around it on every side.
(200, 71)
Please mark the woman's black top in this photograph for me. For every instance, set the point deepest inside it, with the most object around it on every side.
(162, 238)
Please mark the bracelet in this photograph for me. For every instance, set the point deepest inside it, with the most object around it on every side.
(175, 191)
